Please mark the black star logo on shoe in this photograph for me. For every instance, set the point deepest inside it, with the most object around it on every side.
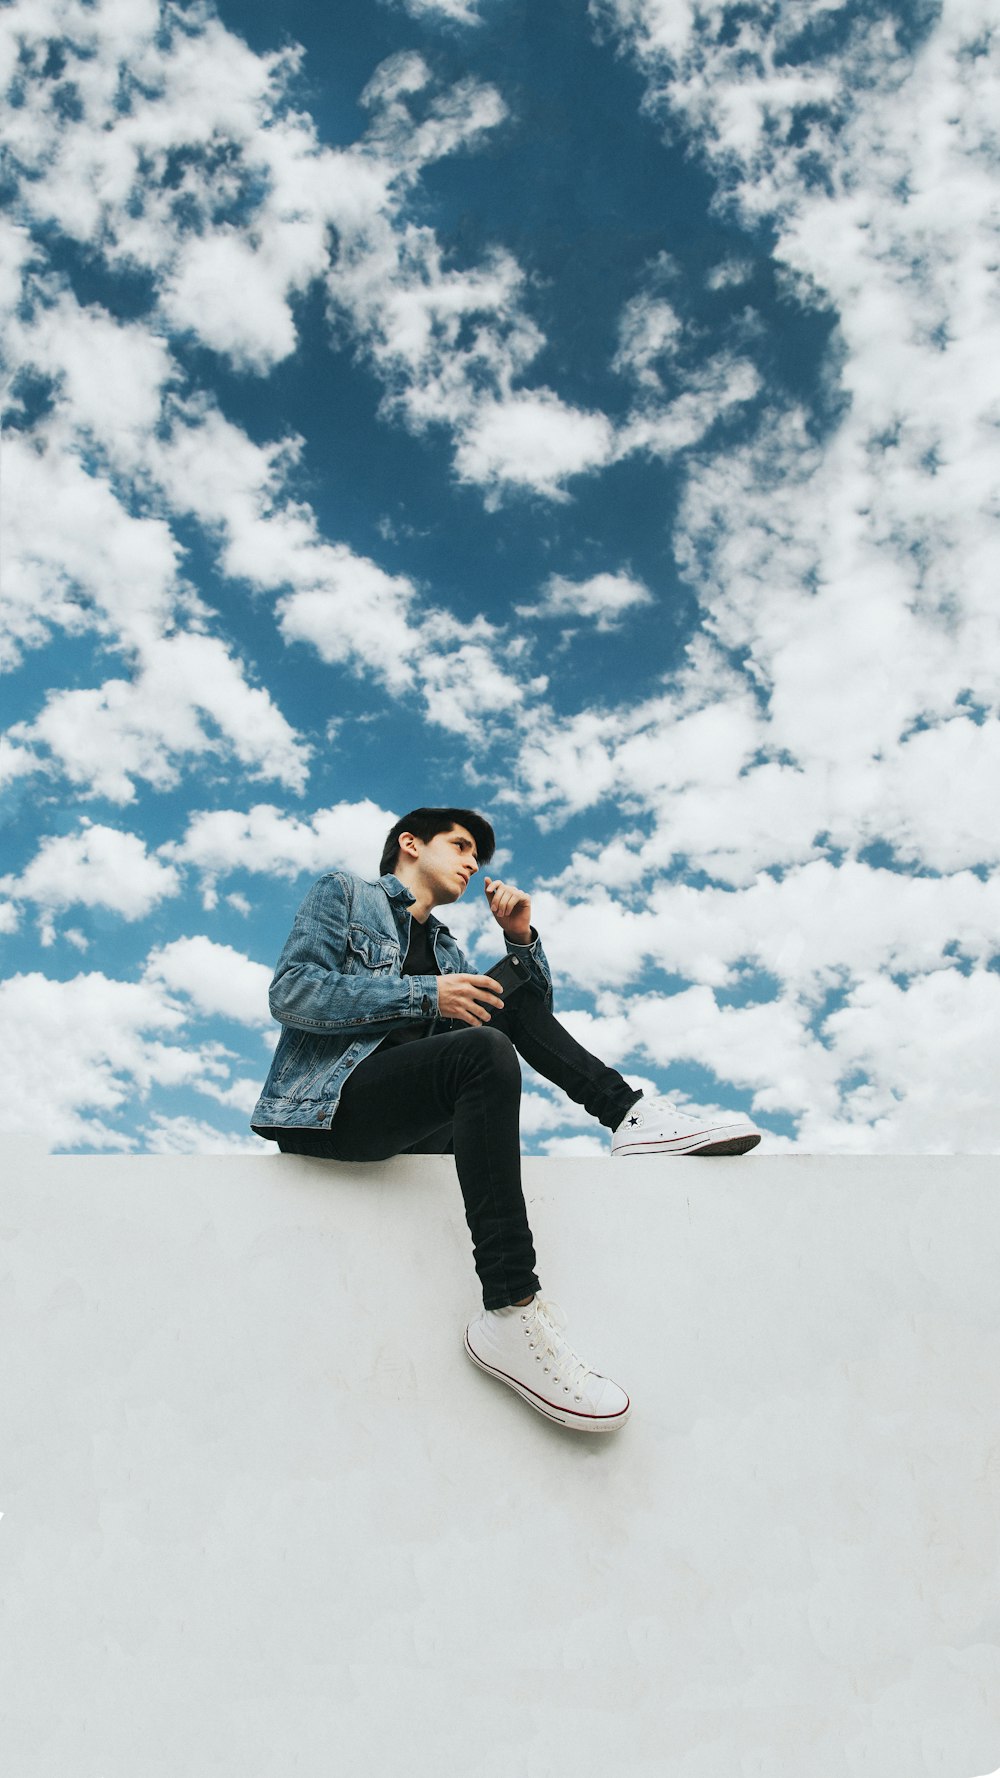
(634, 1120)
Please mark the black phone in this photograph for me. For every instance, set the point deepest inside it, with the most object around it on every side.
(511, 973)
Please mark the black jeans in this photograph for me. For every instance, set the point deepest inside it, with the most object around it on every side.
(460, 1093)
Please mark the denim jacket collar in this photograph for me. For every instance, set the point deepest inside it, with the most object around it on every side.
(395, 889)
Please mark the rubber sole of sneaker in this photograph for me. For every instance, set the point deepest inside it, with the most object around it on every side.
(729, 1145)
(561, 1416)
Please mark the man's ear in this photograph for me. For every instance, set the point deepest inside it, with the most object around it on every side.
(407, 842)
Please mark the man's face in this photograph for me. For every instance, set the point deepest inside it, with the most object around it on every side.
(447, 862)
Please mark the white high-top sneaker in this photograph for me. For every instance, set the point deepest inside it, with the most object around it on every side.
(524, 1348)
(655, 1126)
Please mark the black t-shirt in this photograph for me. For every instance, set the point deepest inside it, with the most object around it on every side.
(419, 960)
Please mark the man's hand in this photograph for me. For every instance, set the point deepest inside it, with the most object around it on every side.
(511, 909)
(471, 998)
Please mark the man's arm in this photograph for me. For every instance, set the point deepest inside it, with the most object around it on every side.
(313, 991)
(511, 909)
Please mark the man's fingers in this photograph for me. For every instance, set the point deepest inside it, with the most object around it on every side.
(469, 998)
(504, 899)
(483, 987)
(476, 1015)
(486, 998)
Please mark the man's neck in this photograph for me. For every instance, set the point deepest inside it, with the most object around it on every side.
(422, 906)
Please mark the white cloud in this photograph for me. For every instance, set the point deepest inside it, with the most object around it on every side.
(104, 174)
(267, 840)
(200, 297)
(468, 691)
(542, 1109)
(245, 228)
(821, 925)
(340, 603)
(452, 343)
(17, 253)
(856, 570)
(77, 560)
(15, 762)
(98, 486)
(699, 735)
(448, 340)
(901, 1064)
(604, 597)
(650, 330)
(533, 440)
(897, 1059)
(763, 1051)
(74, 557)
(189, 699)
(75, 1053)
(852, 573)
(95, 867)
(191, 1135)
(74, 344)
(457, 12)
(218, 980)
(355, 611)
(572, 1147)
(729, 272)
(924, 1058)
(664, 428)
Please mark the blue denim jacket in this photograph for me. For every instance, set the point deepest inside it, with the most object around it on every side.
(339, 988)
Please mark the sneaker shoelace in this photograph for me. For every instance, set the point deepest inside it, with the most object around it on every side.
(546, 1341)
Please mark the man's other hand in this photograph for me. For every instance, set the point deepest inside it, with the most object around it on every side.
(511, 909)
(471, 998)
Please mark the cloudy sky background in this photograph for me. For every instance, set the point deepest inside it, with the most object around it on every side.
(589, 413)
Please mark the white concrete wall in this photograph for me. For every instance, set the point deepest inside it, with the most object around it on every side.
(261, 1516)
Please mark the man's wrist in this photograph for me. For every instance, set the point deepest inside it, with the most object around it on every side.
(527, 940)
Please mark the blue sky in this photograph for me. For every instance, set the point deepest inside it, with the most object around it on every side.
(585, 413)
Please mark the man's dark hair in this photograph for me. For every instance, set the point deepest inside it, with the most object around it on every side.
(424, 824)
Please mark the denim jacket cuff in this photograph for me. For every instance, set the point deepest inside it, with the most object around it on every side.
(530, 946)
(423, 996)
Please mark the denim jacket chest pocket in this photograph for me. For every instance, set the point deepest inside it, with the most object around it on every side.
(370, 951)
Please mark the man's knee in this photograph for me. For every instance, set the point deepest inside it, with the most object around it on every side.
(493, 1051)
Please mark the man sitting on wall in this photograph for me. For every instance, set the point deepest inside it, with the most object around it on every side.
(392, 1043)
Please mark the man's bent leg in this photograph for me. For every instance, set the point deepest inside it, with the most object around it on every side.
(546, 1044)
(400, 1097)
(655, 1127)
